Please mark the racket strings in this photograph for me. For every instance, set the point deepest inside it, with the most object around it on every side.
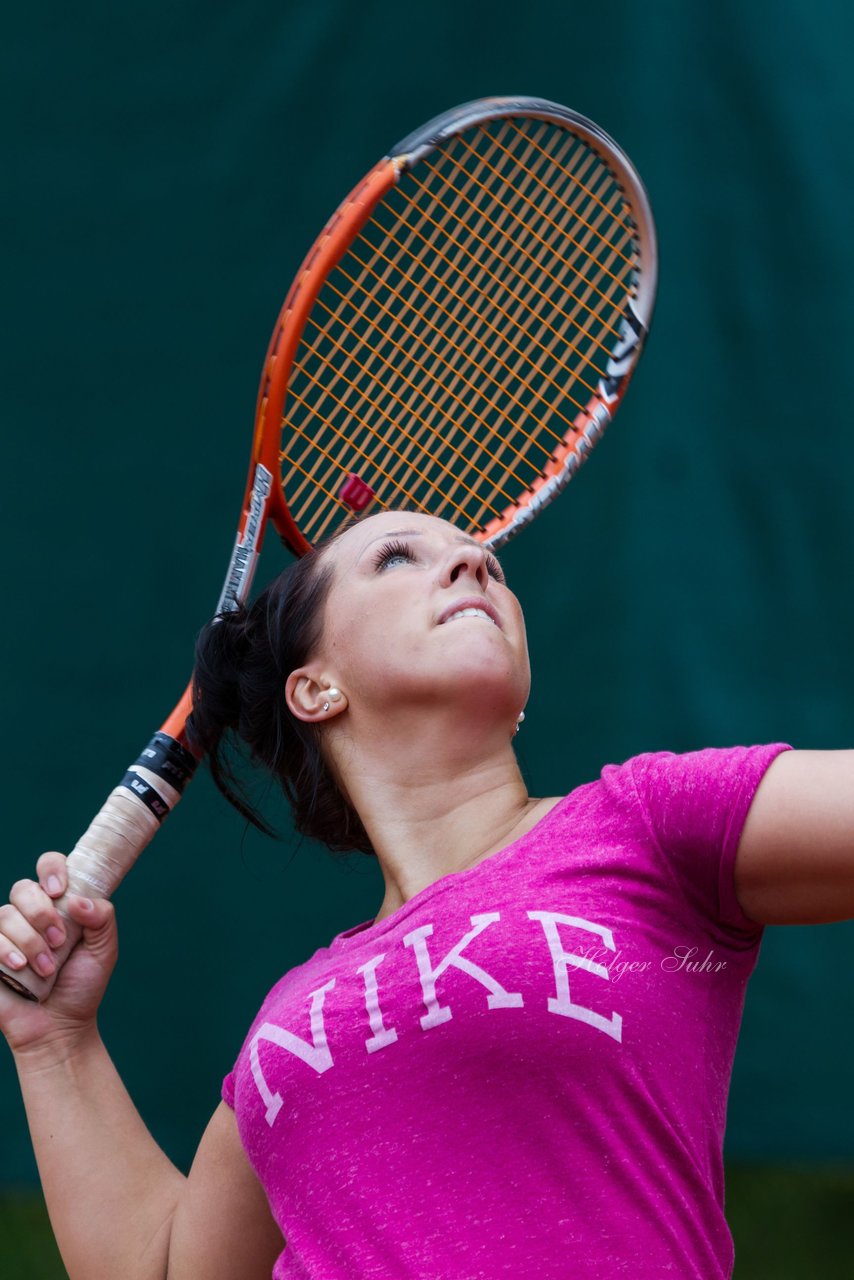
(507, 312)
(516, 243)
(342, 361)
(435, 351)
(312, 377)
(404, 459)
(551, 194)
(338, 372)
(504, 444)
(462, 337)
(373, 267)
(529, 226)
(404, 490)
(398, 347)
(524, 276)
(529, 438)
(575, 177)
(334, 501)
(409, 381)
(500, 447)
(523, 226)
(536, 381)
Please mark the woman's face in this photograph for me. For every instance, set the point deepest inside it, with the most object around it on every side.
(417, 611)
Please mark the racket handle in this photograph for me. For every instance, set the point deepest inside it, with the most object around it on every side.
(113, 841)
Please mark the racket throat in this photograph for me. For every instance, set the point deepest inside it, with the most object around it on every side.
(244, 557)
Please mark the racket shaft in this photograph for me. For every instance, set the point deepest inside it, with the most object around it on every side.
(113, 841)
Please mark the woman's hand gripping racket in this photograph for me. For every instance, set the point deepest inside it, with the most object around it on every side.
(455, 342)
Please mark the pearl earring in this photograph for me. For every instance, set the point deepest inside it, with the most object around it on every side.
(332, 695)
(519, 719)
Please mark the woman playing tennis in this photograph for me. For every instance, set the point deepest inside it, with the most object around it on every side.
(520, 1066)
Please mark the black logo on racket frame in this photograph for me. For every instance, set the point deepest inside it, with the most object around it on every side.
(241, 570)
(623, 356)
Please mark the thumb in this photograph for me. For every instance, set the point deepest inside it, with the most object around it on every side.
(97, 918)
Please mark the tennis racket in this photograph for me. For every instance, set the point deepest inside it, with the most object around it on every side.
(456, 341)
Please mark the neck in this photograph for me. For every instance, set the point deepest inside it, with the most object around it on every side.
(433, 801)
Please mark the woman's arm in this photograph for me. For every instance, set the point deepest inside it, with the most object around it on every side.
(111, 1192)
(118, 1206)
(223, 1228)
(795, 861)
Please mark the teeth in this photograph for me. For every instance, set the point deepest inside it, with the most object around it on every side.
(470, 613)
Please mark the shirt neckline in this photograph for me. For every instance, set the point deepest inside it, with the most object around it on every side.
(376, 928)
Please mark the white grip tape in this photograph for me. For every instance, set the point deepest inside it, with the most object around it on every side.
(99, 861)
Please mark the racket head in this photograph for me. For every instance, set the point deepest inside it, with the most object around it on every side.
(463, 329)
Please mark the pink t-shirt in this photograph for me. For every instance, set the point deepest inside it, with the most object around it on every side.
(523, 1071)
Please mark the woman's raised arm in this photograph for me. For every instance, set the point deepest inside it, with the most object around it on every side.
(795, 862)
(117, 1204)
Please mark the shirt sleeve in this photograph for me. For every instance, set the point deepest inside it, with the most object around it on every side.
(694, 807)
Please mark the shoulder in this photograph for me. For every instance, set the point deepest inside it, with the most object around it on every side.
(706, 775)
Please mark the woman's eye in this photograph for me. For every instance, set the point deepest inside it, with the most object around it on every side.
(494, 569)
(393, 553)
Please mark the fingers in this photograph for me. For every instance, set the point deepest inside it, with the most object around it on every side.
(33, 932)
(91, 913)
(52, 873)
(31, 928)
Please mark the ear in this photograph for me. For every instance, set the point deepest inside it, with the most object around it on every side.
(307, 696)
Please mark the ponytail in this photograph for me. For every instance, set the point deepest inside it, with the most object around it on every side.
(243, 659)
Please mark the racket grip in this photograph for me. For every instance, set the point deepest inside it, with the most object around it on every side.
(113, 841)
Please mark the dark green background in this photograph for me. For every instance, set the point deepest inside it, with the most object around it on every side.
(165, 167)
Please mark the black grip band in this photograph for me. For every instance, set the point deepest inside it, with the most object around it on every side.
(169, 760)
(144, 791)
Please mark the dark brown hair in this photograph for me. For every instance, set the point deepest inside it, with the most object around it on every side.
(243, 659)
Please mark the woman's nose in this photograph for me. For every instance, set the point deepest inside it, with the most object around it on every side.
(467, 560)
